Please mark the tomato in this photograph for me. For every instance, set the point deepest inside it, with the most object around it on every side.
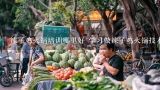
(60, 72)
(63, 79)
(70, 72)
(67, 77)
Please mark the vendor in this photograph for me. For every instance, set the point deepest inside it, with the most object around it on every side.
(113, 64)
(37, 54)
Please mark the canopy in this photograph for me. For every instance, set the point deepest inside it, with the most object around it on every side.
(94, 15)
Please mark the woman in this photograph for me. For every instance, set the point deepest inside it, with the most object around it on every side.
(37, 54)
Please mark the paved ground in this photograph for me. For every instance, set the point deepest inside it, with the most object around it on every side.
(15, 86)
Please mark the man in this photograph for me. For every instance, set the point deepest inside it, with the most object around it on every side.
(113, 64)
(16, 47)
(25, 52)
(37, 54)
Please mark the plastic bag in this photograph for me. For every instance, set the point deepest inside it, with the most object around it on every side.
(27, 77)
(138, 84)
(45, 85)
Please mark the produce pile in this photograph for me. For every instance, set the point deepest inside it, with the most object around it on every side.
(40, 74)
(39, 71)
(63, 74)
(85, 79)
(92, 81)
(62, 58)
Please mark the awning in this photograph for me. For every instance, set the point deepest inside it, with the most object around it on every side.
(94, 15)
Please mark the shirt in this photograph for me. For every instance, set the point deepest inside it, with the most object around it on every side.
(36, 52)
(116, 62)
(97, 61)
(25, 50)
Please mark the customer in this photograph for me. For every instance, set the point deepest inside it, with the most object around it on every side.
(37, 54)
(16, 47)
(113, 64)
(94, 39)
(25, 52)
(1, 44)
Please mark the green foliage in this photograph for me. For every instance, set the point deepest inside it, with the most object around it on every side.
(88, 81)
(62, 12)
(7, 9)
(86, 6)
(61, 85)
(105, 4)
(24, 16)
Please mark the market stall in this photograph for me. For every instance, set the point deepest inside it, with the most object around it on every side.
(69, 69)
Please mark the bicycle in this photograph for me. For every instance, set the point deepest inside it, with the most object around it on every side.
(155, 64)
(122, 54)
(133, 67)
(136, 66)
(6, 78)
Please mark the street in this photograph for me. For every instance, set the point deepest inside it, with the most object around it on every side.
(15, 86)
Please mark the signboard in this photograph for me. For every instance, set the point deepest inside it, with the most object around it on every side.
(55, 34)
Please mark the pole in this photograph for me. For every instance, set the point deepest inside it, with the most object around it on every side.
(50, 10)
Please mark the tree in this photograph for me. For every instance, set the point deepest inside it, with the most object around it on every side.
(28, 13)
(129, 17)
(67, 12)
(152, 10)
(102, 6)
(7, 9)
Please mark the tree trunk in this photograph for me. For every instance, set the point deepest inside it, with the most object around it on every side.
(107, 24)
(74, 18)
(153, 12)
(129, 17)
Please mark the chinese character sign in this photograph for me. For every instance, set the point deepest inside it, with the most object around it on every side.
(55, 34)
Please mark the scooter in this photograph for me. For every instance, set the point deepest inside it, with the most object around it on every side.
(6, 78)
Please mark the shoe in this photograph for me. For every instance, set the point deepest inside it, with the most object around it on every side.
(20, 79)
